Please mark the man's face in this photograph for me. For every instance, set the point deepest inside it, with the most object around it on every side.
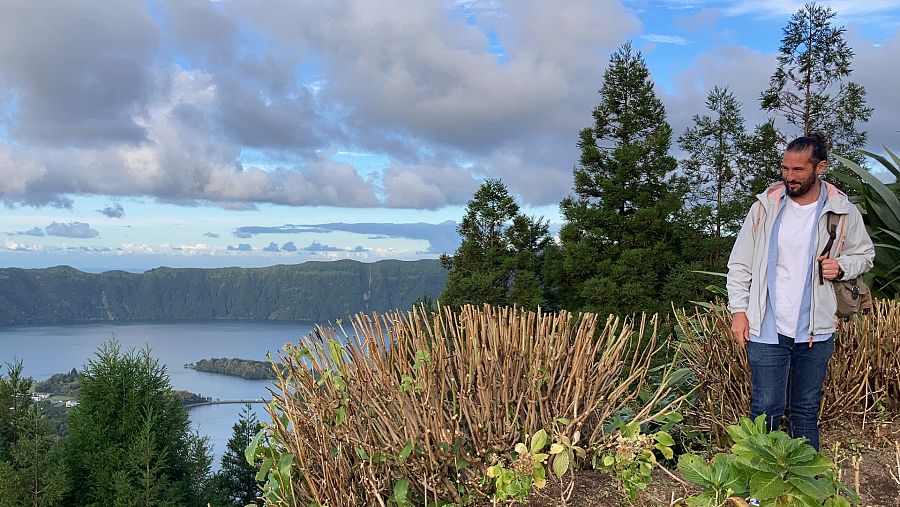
(798, 173)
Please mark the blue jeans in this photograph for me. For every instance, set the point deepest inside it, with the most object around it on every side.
(789, 375)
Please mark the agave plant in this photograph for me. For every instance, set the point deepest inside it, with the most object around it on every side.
(880, 205)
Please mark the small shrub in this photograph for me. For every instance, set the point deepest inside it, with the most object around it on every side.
(524, 472)
(770, 467)
(633, 459)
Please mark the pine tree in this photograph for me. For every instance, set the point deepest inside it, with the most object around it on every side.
(810, 88)
(713, 143)
(31, 469)
(499, 259)
(620, 242)
(237, 478)
(130, 436)
(35, 475)
(15, 403)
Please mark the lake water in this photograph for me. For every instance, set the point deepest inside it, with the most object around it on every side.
(46, 350)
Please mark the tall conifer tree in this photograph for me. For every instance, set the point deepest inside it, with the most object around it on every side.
(130, 438)
(811, 89)
(237, 478)
(500, 256)
(619, 244)
(714, 144)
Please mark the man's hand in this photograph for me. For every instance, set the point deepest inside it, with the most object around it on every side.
(830, 267)
(740, 328)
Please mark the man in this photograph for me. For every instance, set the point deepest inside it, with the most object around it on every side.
(783, 312)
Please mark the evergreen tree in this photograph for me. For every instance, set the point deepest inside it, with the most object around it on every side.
(713, 144)
(130, 439)
(499, 259)
(15, 403)
(620, 240)
(202, 480)
(810, 88)
(760, 160)
(237, 478)
(31, 468)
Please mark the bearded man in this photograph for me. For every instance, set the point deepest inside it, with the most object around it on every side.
(780, 288)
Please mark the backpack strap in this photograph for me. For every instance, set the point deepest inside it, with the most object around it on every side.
(832, 220)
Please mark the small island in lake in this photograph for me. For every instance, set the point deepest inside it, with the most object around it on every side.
(244, 368)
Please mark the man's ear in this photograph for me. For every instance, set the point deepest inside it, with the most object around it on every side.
(821, 167)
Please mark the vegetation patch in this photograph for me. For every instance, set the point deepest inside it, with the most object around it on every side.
(244, 368)
(450, 407)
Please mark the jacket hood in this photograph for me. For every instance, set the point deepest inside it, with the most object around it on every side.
(835, 200)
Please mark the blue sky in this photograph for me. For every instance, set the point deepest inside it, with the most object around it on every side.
(136, 134)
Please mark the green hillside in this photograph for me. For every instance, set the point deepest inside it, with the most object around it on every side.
(309, 291)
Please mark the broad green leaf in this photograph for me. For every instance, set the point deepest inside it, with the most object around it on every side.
(664, 438)
(284, 464)
(401, 489)
(884, 193)
(556, 448)
(705, 499)
(538, 441)
(631, 430)
(250, 451)
(766, 486)
(665, 450)
(802, 454)
(340, 416)
(696, 470)
(817, 466)
(264, 469)
(608, 461)
(818, 489)
(561, 464)
(837, 501)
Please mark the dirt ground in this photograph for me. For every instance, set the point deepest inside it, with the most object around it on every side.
(868, 456)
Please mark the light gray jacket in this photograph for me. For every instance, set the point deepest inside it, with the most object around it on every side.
(748, 263)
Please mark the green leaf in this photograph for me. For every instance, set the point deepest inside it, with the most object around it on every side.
(561, 464)
(696, 470)
(538, 441)
(407, 450)
(250, 451)
(608, 461)
(401, 490)
(837, 501)
(665, 450)
(664, 438)
(817, 466)
(284, 464)
(631, 430)
(264, 469)
(766, 486)
(818, 489)
(340, 416)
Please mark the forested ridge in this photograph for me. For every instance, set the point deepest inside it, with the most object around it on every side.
(308, 291)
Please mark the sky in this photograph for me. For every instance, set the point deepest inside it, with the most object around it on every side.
(197, 133)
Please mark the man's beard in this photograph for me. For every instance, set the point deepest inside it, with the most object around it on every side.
(805, 186)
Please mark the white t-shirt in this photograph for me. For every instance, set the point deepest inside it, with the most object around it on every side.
(792, 266)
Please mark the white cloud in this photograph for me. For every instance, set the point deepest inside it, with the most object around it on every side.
(665, 39)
